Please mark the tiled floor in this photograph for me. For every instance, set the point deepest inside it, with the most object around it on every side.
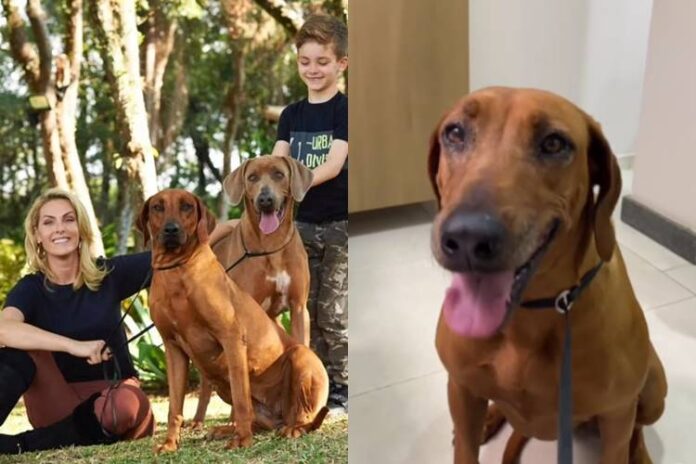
(398, 404)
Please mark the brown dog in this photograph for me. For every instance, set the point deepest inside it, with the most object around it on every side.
(271, 381)
(514, 172)
(269, 186)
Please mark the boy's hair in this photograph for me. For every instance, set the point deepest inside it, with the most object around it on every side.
(324, 30)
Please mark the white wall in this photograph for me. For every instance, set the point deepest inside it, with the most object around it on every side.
(590, 51)
(665, 155)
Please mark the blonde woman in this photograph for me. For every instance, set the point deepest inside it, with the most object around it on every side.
(53, 327)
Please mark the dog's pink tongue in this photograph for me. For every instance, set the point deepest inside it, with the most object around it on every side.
(269, 223)
(475, 304)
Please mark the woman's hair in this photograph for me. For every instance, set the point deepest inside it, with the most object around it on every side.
(88, 273)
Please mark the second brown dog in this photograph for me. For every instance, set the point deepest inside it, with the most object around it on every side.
(272, 381)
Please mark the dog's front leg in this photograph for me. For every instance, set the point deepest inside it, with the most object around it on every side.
(468, 415)
(615, 431)
(235, 347)
(299, 321)
(177, 372)
(204, 394)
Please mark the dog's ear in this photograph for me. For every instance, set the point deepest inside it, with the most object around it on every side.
(141, 221)
(206, 222)
(234, 184)
(605, 173)
(300, 178)
(434, 160)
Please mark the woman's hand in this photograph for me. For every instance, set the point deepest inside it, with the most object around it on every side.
(91, 350)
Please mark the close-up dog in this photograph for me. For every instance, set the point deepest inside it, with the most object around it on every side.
(271, 381)
(526, 184)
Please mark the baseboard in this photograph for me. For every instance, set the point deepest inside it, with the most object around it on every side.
(664, 231)
(625, 160)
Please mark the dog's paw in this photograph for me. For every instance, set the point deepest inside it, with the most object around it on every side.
(169, 446)
(291, 432)
(195, 425)
(494, 422)
(221, 431)
(239, 442)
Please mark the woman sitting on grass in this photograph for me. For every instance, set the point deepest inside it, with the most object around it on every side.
(54, 326)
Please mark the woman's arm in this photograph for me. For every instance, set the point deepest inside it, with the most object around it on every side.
(16, 333)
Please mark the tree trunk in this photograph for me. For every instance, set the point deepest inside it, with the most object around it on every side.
(57, 123)
(157, 48)
(116, 23)
(174, 106)
(286, 15)
(234, 102)
(36, 61)
(67, 83)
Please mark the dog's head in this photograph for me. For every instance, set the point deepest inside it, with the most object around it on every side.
(270, 185)
(176, 221)
(514, 172)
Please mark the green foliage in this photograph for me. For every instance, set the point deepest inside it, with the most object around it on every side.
(285, 321)
(11, 263)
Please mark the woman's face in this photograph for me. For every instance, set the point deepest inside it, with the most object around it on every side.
(57, 230)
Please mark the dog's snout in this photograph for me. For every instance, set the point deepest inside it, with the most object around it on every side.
(171, 228)
(472, 241)
(265, 200)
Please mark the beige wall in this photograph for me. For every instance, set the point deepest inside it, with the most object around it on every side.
(665, 164)
(590, 51)
(409, 61)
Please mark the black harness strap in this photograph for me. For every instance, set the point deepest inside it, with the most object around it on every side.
(255, 254)
(562, 303)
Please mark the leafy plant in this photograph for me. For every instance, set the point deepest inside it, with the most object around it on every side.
(11, 264)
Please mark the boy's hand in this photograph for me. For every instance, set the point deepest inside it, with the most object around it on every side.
(91, 350)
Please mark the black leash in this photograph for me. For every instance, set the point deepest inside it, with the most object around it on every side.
(563, 303)
(255, 254)
(117, 374)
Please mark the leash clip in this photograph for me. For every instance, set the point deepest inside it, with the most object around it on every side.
(563, 302)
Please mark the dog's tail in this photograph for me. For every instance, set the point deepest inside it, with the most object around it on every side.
(318, 419)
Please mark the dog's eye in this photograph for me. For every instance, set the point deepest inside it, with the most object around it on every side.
(158, 207)
(186, 207)
(277, 175)
(555, 144)
(252, 177)
(455, 134)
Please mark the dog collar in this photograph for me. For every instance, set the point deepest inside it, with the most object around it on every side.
(563, 302)
(171, 266)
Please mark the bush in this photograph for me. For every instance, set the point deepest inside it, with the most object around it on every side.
(11, 264)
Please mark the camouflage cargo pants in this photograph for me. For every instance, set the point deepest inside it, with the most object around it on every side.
(327, 250)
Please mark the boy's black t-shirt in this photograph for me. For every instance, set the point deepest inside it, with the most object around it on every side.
(310, 128)
(84, 314)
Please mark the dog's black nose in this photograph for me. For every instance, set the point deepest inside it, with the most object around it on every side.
(265, 201)
(472, 241)
(171, 228)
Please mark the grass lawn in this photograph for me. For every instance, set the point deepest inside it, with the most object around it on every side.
(329, 444)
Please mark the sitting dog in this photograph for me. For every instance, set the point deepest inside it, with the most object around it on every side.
(271, 381)
(519, 222)
(278, 277)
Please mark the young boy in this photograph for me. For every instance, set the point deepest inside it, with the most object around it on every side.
(314, 131)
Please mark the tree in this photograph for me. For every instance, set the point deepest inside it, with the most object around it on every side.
(57, 122)
(115, 23)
